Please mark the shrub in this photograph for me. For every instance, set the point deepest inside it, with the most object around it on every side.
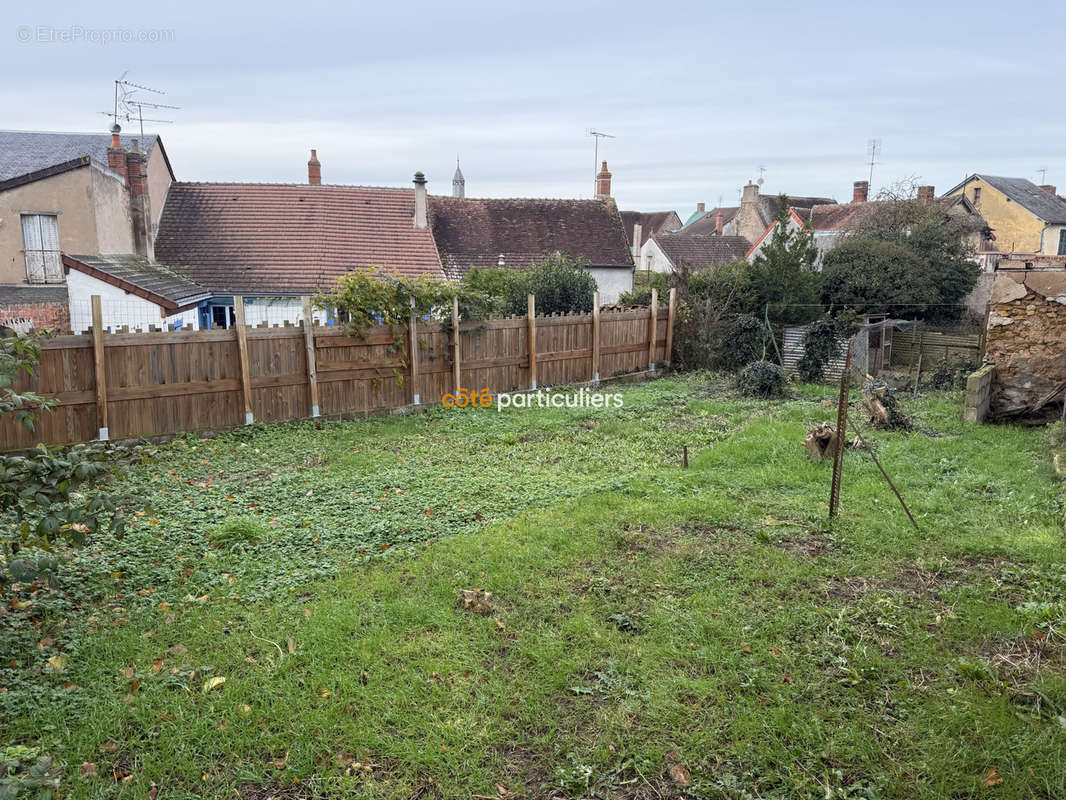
(238, 530)
(820, 344)
(762, 379)
(562, 285)
(744, 342)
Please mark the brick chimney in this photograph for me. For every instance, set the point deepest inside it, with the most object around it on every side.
(421, 213)
(1049, 188)
(861, 192)
(926, 195)
(718, 222)
(140, 202)
(603, 182)
(116, 155)
(314, 169)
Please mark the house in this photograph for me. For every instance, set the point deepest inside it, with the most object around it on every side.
(274, 243)
(519, 233)
(670, 252)
(1026, 218)
(72, 193)
(717, 220)
(757, 211)
(641, 226)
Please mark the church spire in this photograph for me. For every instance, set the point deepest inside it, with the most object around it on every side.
(458, 181)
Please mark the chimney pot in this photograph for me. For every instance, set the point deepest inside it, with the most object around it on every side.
(861, 192)
(701, 208)
(314, 169)
(718, 222)
(926, 195)
(116, 129)
(116, 155)
(1049, 188)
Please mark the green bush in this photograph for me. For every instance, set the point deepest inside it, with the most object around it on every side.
(561, 284)
(744, 342)
(820, 344)
(238, 530)
(762, 379)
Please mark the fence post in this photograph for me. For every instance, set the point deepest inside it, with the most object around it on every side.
(242, 354)
(412, 353)
(670, 327)
(595, 337)
(100, 366)
(457, 350)
(653, 324)
(309, 344)
(531, 317)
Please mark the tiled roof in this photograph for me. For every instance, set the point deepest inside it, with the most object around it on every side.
(136, 273)
(837, 216)
(22, 152)
(1040, 202)
(285, 239)
(474, 233)
(651, 223)
(708, 222)
(769, 205)
(701, 250)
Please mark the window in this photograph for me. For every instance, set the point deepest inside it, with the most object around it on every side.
(976, 195)
(40, 237)
(1062, 241)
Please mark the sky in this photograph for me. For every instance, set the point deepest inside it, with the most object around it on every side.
(699, 95)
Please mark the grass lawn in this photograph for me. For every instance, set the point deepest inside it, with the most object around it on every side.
(652, 631)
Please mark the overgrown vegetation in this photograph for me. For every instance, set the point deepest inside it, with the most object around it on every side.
(652, 630)
(906, 258)
(782, 279)
(821, 344)
(762, 379)
(561, 284)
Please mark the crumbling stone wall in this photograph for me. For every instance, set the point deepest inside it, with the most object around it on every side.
(1027, 340)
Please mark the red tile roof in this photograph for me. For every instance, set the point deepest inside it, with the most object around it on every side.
(474, 233)
(287, 239)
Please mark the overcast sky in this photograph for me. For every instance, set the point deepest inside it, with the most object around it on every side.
(698, 94)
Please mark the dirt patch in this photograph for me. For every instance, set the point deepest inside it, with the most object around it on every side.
(271, 791)
(918, 581)
(1021, 658)
(811, 546)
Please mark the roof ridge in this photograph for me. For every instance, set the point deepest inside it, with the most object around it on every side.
(303, 185)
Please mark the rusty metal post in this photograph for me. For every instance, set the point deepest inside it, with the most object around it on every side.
(842, 427)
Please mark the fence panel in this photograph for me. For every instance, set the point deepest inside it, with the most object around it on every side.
(962, 348)
(186, 380)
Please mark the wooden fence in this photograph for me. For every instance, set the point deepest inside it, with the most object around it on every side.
(935, 346)
(124, 385)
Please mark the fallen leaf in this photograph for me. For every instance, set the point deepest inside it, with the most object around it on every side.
(992, 778)
(108, 746)
(57, 663)
(744, 646)
(292, 644)
(787, 678)
(177, 650)
(213, 683)
(88, 770)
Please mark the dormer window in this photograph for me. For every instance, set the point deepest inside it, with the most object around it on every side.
(40, 239)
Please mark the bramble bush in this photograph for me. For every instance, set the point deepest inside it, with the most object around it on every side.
(762, 379)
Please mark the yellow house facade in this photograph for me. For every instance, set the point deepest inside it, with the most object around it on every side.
(1024, 217)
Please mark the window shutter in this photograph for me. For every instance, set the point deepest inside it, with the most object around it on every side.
(40, 236)
(53, 266)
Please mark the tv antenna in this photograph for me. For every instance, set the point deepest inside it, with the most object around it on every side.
(1043, 174)
(597, 135)
(129, 107)
(762, 172)
(873, 147)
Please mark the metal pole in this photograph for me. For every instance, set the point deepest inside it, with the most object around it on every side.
(870, 450)
(842, 425)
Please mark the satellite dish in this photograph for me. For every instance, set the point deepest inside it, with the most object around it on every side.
(760, 181)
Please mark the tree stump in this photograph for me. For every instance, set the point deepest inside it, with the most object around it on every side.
(821, 442)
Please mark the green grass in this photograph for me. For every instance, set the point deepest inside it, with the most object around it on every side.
(642, 615)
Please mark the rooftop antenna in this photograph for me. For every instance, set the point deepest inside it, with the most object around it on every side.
(597, 135)
(873, 147)
(762, 172)
(1043, 174)
(129, 107)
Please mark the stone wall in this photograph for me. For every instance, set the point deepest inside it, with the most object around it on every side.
(1027, 339)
